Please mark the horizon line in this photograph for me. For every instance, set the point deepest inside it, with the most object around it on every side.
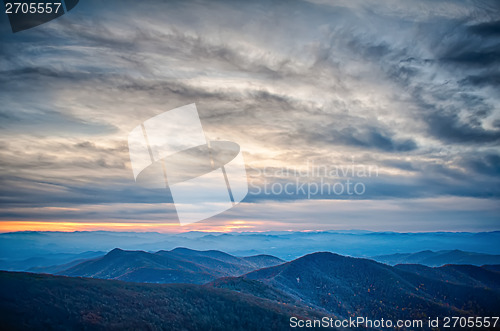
(245, 232)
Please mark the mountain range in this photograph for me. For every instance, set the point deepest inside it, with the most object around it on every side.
(21, 251)
(180, 265)
(439, 258)
(239, 292)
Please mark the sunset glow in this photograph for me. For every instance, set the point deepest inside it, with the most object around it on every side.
(13, 226)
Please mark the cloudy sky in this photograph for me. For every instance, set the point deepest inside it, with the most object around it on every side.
(408, 89)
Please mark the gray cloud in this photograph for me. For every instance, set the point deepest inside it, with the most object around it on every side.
(410, 88)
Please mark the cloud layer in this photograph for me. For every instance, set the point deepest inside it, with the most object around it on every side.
(410, 88)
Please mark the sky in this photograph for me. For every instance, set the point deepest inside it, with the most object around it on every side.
(404, 94)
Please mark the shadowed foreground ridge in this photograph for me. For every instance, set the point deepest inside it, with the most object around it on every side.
(41, 302)
(345, 286)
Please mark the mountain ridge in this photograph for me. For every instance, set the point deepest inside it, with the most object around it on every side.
(439, 258)
(38, 301)
(344, 286)
(180, 265)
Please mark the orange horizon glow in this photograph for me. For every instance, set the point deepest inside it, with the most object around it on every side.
(16, 226)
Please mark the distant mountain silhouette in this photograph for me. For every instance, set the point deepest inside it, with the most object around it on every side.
(54, 269)
(467, 275)
(180, 265)
(49, 263)
(346, 286)
(287, 245)
(439, 258)
(41, 302)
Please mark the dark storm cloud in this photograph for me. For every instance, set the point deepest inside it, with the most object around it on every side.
(470, 45)
(476, 58)
(483, 164)
(48, 121)
(487, 79)
(454, 109)
(367, 138)
(486, 29)
(446, 124)
(23, 192)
